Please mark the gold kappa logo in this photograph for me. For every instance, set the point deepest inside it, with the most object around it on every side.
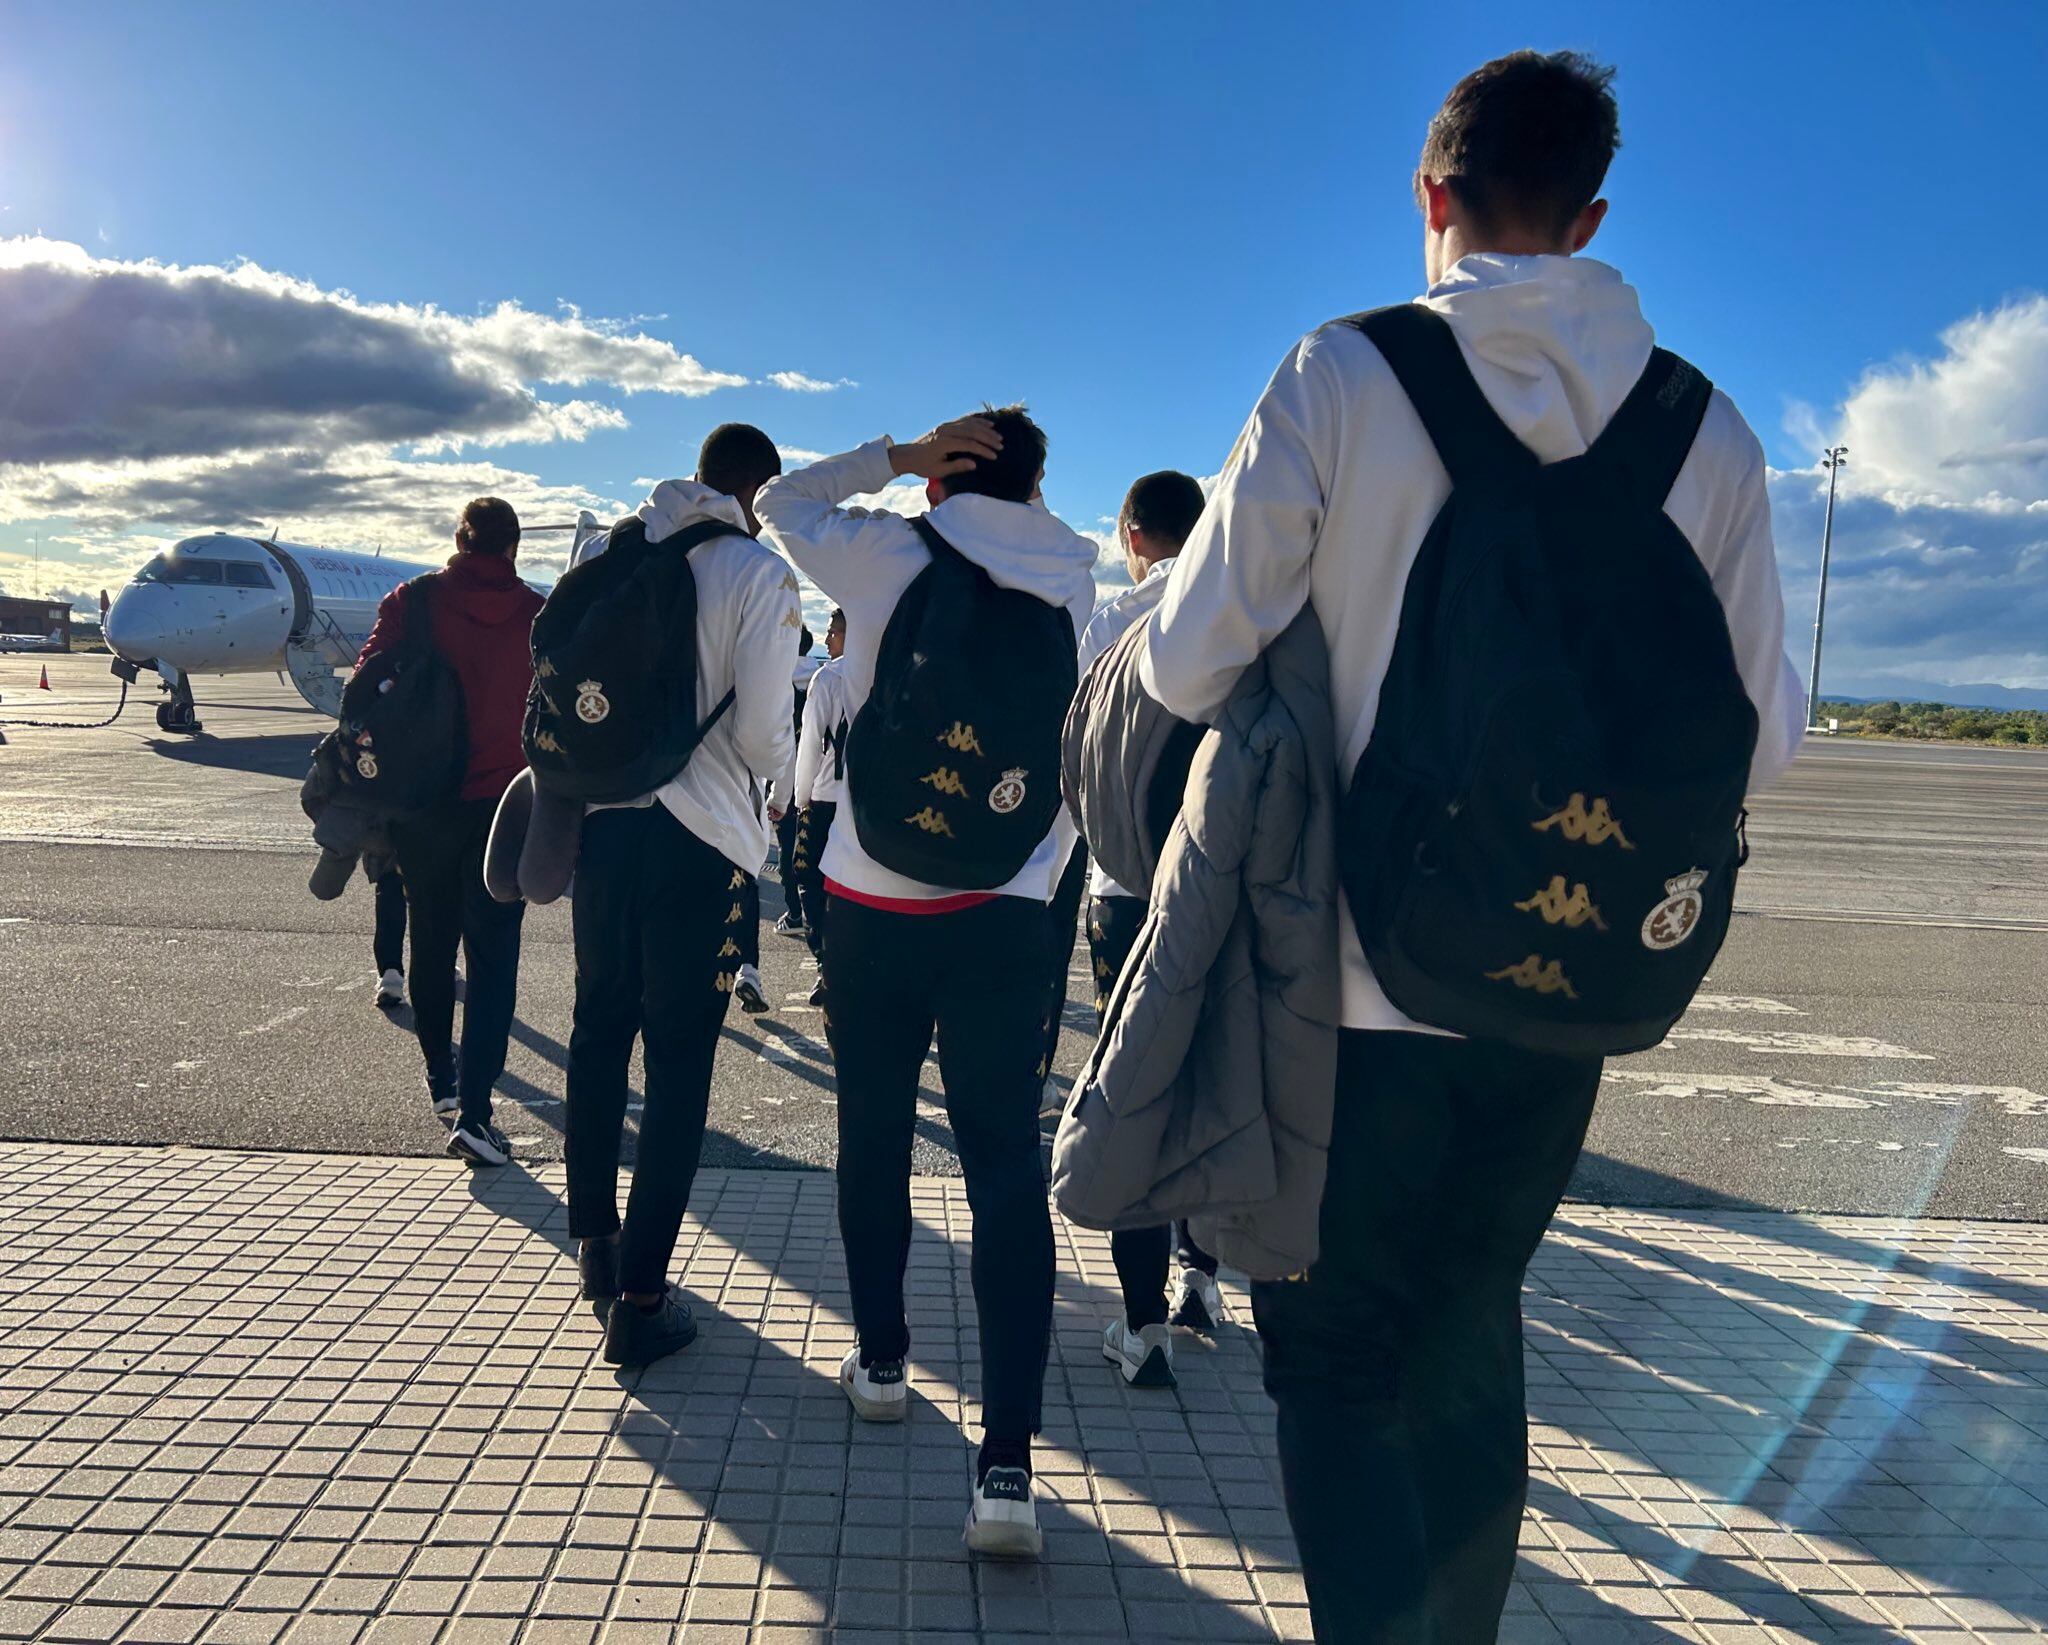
(591, 703)
(738, 882)
(1558, 907)
(961, 739)
(946, 782)
(1678, 915)
(1007, 794)
(546, 741)
(544, 669)
(1533, 973)
(734, 917)
(932, 822)
(731, 948)
(1584, 826)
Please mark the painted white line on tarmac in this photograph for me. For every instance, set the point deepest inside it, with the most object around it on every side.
(1784, 1041)
(1754, 1004)
(2038, 1155)
(1763, 1089)
(2016, 1100)
(1875, 916)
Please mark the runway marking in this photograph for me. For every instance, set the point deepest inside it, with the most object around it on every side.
(1748, 1003)
(277, 1021)
(1766, 1090)
(1875, 916)
(2038, 1155)
(188, 1065)
(15, 919)
(1790, 1043)
(2016, 1100)
(1773, 1092)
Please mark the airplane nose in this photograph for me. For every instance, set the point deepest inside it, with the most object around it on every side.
(134, 628)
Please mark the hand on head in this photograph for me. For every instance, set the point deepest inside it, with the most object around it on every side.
(951, 448)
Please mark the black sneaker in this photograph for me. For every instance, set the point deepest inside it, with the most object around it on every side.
(479, 1142)
(597, 1265)
(818, 992)
(634, 1336)
(441, 1093)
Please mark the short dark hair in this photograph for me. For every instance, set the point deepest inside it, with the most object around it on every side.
(1525, 140)
(1165, 506)
(1013, 473)
(489, 526)
(838, 616)
(735, 458)
(805, 640)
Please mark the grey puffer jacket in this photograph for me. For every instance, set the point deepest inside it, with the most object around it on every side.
(1210, 1091)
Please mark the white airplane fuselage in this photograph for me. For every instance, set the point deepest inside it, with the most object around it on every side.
(244, 605)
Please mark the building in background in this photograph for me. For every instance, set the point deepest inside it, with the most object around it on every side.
(34, 625)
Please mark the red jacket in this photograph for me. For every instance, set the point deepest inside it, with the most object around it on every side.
(483, 625)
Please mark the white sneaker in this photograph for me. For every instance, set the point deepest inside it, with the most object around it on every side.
(1051, 1100)
(1001, 1518)
(1144, 1357)
(748, 991)
(391, 989)
(1198, 1304)
(880, 1393)
(785, 926)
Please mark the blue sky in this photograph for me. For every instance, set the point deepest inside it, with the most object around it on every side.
(1121, 214)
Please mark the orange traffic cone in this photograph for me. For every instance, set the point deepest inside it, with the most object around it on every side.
(44, 683)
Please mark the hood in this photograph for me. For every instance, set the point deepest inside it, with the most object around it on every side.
(1021, 546)
(1565, 336)
(485, 590)
(676, 503)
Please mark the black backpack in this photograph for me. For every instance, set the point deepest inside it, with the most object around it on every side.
(953, 761)
(613, 710)
(403, 740)
(1539, 845)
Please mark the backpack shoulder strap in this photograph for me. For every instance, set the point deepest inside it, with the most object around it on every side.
(934, 539)
(699, 531)
(416, 637)
(1646, 441)
(1473, 443)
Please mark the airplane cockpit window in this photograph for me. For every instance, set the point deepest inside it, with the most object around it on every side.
(247, 574)
(175, 568)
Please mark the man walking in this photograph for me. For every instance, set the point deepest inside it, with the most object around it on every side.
(820, 785)
(481, 620)
(1158, 513)
(903, 958)
(1396, 1362)
(663, 902)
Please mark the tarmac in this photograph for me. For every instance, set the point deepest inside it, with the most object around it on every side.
(1874, 1038)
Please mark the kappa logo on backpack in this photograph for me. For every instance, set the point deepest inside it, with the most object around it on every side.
(1541, 840)
(952, 764)
(613, 710)
(403, 737)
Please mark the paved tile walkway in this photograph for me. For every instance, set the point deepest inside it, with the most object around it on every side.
(264, 1397)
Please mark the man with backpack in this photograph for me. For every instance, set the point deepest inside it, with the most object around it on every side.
(1540, 551)
(961, 634)
(1157, 514)
(662, 901)
(479, 616)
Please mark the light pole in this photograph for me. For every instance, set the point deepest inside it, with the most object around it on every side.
(1831, 460)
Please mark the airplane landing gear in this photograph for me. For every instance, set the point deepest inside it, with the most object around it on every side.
(180, 714)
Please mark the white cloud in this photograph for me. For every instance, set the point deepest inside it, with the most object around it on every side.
(1939, 576)
(798, 383)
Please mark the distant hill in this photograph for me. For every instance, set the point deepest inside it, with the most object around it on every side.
(1954, 696)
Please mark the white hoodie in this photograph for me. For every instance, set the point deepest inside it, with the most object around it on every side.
(1334, 453)
(747, 628)
(864, 559)
(825, 719)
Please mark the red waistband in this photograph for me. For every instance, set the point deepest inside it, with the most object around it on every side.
(913, 905)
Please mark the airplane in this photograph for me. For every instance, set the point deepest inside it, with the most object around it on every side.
(225, 604)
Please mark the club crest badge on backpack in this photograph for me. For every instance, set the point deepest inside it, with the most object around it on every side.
(591, 703)
(1673, 920)
(1008, 793)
